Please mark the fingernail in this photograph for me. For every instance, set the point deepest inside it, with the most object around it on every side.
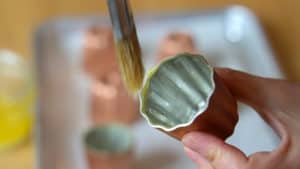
(197, 158)
(196, 143)
(205, 145)
(187, 140)
(191, 154)
(191, 142)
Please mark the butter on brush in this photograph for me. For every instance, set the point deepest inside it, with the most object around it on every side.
(130, 63)
(128, 48)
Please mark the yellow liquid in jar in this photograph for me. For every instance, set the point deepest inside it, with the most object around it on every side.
(16, 119)
(17, 96)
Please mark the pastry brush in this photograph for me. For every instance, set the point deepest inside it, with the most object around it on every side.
(127, 44)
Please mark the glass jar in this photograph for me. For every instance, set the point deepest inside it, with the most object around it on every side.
(17, 95)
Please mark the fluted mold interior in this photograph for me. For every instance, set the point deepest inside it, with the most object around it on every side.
(177, 91)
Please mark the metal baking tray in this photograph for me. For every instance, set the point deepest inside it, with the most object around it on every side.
(229, 37)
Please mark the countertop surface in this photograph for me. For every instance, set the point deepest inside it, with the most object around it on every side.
(279, 18)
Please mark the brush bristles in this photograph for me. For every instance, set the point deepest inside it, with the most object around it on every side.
(130, 63)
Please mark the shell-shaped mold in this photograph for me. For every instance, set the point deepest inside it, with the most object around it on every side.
(177, 91)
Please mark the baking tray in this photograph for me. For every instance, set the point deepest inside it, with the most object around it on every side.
(229, 37)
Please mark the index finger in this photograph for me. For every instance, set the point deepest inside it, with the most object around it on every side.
(265, 95)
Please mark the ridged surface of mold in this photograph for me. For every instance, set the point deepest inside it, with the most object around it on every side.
(177, 91)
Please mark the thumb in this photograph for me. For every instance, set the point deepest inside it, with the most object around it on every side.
(207, 150)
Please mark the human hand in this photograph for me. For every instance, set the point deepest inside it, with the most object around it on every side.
(278, 103)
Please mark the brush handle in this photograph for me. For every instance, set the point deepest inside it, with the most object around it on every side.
(122, 19)
(127, 44)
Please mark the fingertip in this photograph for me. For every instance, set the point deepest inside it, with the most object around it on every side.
(191, 154)
(228, 74)
(222, 70)
(247, 88)
(191, 139)
(198, 158)
(201, 143)
(212, 149)
(189, 136)
(199, 138)
(232, 77)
